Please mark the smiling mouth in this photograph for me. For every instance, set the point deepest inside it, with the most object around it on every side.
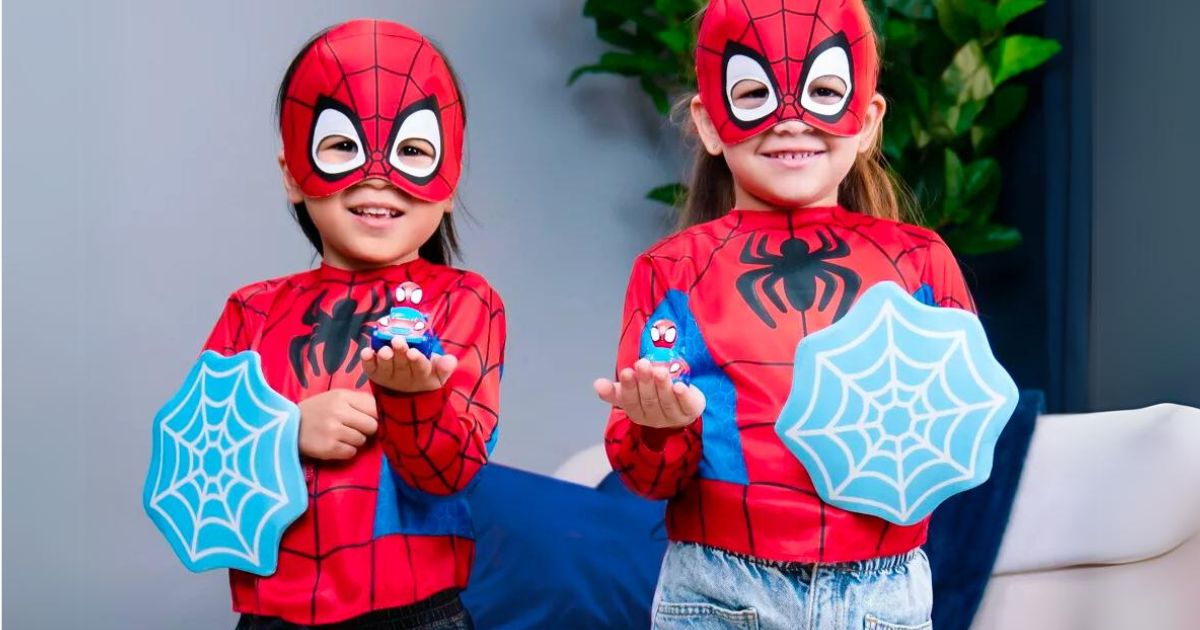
(376, 212)
(792, 156)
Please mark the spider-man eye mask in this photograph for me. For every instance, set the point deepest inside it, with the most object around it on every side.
(761, 62)
(373, 99)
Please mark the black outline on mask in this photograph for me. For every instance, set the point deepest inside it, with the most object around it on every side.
(732, 49)
(835, 41)
(430, 102)
(323, 103)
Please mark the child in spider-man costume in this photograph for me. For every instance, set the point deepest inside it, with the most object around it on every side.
(372, 124)
(791, 216)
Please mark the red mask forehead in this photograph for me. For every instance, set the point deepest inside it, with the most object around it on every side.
(378, 84)
(786, 45)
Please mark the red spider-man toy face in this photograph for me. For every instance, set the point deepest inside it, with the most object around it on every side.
(664, 333)
(409, 294)
(783, 48)
(384, 88)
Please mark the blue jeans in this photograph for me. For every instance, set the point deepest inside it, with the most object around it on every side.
(703, 588)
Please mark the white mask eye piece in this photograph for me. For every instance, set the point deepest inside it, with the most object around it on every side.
(333, 121)
(419, 122)
(744, 65)
(830, 59)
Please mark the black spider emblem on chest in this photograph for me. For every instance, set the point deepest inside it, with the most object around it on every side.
(793, 273)
(338, 335)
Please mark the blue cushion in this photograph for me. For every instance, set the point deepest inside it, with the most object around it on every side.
(553, 554)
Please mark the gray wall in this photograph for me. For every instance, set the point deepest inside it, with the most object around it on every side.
(1146, 249)
(141, 188)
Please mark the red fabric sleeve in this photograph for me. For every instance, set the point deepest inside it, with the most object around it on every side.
(438, 440)
(946, 278)
(655, 463)
(233, 331)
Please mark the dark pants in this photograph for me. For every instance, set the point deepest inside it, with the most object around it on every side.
(443, 611)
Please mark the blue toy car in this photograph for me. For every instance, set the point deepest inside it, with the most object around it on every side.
(407, 323)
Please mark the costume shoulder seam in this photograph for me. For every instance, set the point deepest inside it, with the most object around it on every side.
(667, 242)
(926, 235)
(256, 291)
(472, 281)
(703, 230)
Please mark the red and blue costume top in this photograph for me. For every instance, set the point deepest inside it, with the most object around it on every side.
(389, 527)
(742, 292)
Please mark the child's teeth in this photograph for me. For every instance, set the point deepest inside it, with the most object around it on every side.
(377, 212)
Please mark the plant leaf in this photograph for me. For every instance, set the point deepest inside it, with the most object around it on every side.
(968, 77)
(985, 239)
(680, 8)
(953, 192)
(618, 36)
(582, 70)
(920, 134)
(928, 182)
(968, 113)
(614, 9)
(669, 194)
(1002, 110)
(1009, 10)
(956, 20)
(897, 135)
(916, 9)
(921, 99)
(1015, 54)
(981, 186)
(949, 121)
(678, 39)
(954, 174)
(900, 34)
(657, 94)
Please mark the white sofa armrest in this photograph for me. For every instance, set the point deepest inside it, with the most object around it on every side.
(1105, 488)
(587, 467)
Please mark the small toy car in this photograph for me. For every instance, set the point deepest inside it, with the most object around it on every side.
(405, 321)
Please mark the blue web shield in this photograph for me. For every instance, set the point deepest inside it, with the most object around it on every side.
(897, 406)
(225, 479)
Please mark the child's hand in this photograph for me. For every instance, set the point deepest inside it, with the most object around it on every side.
(403, 369)
(649, 398)
(336, 423)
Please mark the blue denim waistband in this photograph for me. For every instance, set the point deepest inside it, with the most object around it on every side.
(883, 564)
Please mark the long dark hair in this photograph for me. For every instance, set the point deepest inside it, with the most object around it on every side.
(441, 248)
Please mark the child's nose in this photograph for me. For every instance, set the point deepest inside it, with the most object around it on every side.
(791, 126)
(378, 182)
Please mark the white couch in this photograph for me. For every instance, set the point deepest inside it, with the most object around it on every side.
(1105, 528)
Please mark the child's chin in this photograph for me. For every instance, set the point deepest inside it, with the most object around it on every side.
(791, 198)
(379, 256)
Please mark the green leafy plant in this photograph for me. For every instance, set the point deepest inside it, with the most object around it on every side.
(948, 74)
